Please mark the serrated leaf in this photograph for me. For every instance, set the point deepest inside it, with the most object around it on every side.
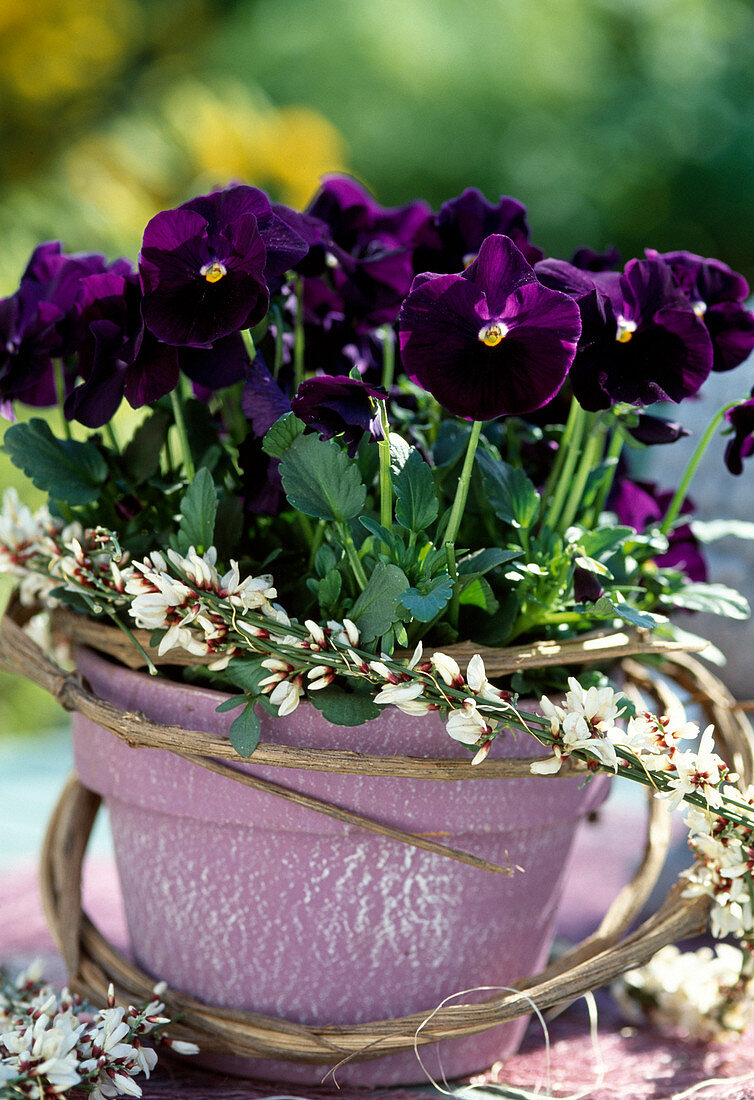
(399, 452)
(66, 469)
(451, 442)
(481, 561)
(198, 511)
(141, 456)
(712, 529)
(428, 599)
(344, 708)
(604, 539)
(416, 498)
(512, 495)
(245, 731)
(325, 560)
(606, 608)
(321, 480)
(715, 599)
(328, 591)
(478, 593)
(375, 610)
(282, 434)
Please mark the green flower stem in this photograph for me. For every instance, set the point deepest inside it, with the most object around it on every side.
(450, 554)
(60, 394)
(298, 336)
(354, 560)
(180, 424)
(561, 475)
(386, 484)
(248, 341)
(680, 494)
(462, 490)
(590, 457)
(277, 318)
(388, 356)
(112, 437)
(614, 449)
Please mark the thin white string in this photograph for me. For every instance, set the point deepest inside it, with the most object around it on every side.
(710, 1082)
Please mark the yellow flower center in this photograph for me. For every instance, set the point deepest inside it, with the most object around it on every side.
(493, 333)
(699, 308)
(625, 331)
(213, 272)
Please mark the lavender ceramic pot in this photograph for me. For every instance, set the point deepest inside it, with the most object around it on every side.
(247, 901)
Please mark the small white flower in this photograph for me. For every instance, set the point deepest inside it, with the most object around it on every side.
(286, 696)
(447, 668)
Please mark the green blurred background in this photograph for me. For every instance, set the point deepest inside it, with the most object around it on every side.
(618, 122)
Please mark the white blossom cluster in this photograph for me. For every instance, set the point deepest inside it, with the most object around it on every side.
(584, 722)
(51, 1042)
(25, 536)
(724, 861)
(705, 994)
(174, 600)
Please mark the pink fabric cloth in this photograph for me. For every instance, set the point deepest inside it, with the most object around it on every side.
(624, 1064)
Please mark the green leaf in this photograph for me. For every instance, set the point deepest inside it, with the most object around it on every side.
(198, 512)
(605, 608)
(716, 599)
(201, 429)
(69, 471)
(325, 560)
(233, 703)
(604, 539)
(429, 598)
(513, 497)
(141, 456)
(375, 610)
(416, 498)
(328, 592)
(228, 527)
(481, 561)
(477, 592)
(344, 708)
(245, 730)
(246, 672)
(712, 529)
(282, 434)
(451, 442)
(321, 480)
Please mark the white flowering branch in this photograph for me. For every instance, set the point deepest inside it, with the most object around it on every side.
(52, 1043)
(192, 606)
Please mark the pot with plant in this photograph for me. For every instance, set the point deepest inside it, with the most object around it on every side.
(369, 535)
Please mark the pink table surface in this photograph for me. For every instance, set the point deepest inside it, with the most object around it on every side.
(624, 1063)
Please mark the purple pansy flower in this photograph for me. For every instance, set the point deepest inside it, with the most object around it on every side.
(642, 506)
(716, 294)
(452, 239)
(587, 586)
(641, 340)
(340, 406)
(491, 340)
(203, 265)
(589, 260)
(368, 257)
(42, 321)
(263, 402)
(655, 431)
(741, 446)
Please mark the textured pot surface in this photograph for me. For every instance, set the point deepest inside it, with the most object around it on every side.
(247, 901)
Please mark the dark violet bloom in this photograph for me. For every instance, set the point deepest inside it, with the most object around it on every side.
(340, 406)
(368, 258)
(263, 402)
(640, 505)
(491, 340)
(223, 364)
(717, 295)
(589, 260)
(741, 445)
(641, 340)
(117, 357)
(451, 240)
(653, 431)
(355, 218)
(204, 265)
(42, 322)
(587, 586)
